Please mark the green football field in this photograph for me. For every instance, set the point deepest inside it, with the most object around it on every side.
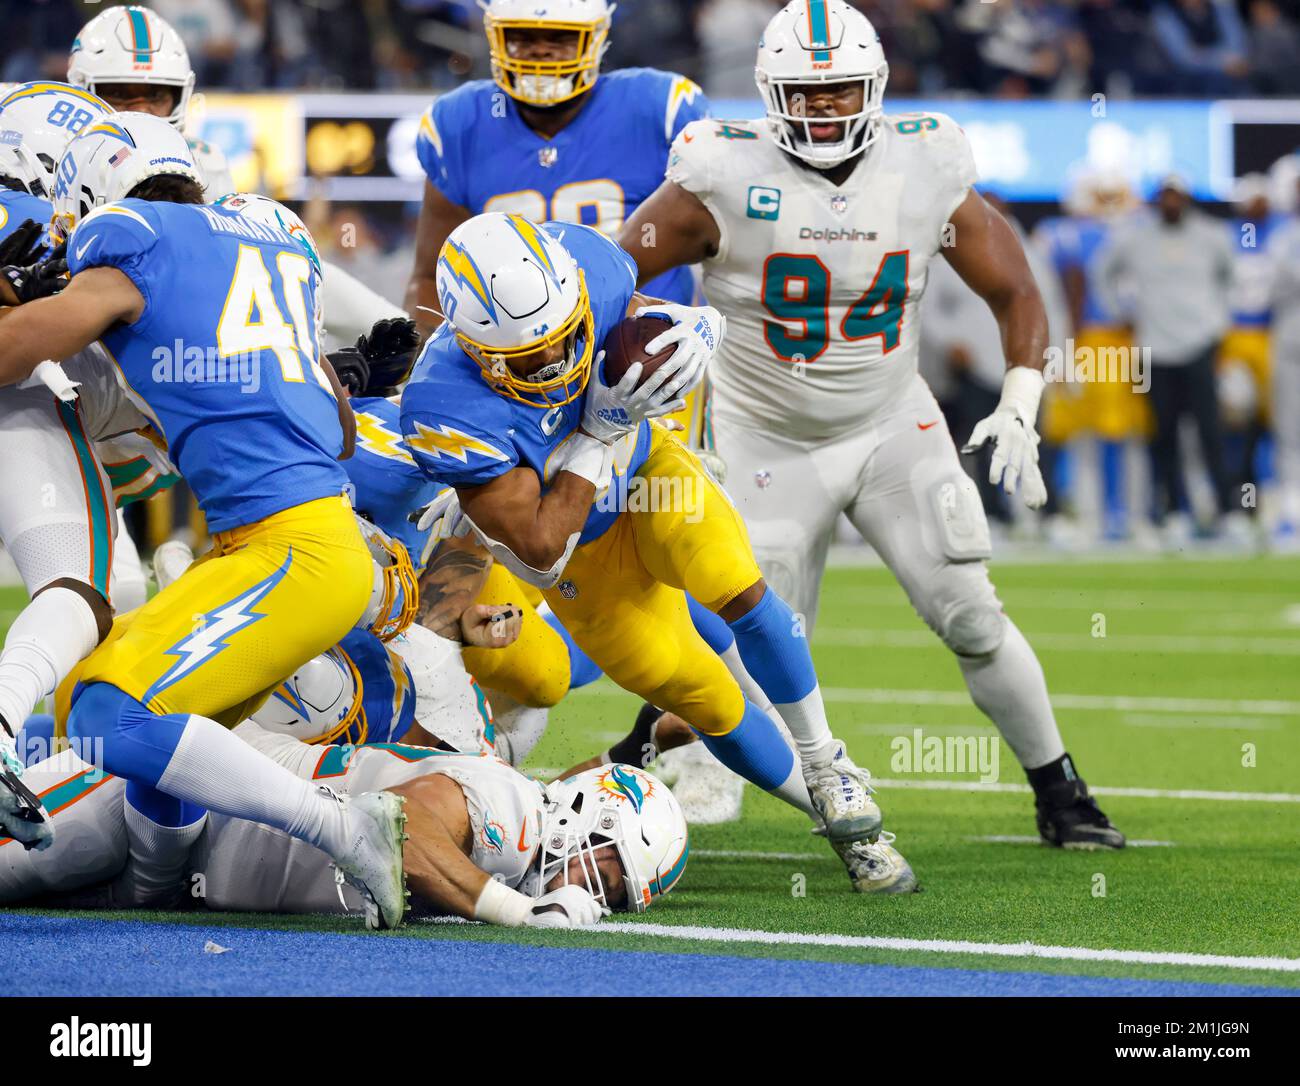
(1184, 718)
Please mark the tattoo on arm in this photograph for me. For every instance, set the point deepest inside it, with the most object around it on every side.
(450, 584)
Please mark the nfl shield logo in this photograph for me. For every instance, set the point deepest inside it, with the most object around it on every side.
(546, 156)
(839, 204)
(568, 590)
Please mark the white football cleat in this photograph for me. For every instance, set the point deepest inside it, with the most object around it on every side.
(709, 793)
(877, 867)
(842, 795)
(371, 861)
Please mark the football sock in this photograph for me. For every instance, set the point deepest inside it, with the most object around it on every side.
(522, 726)
(160, 830)
(1114, 483)
(48, 638)
(712, 628)
(1009, 688)
(774, 648)
(634, 747)
(1055, 772)
(754, 749)
(197, 760)
(128, 587)
(582, 668)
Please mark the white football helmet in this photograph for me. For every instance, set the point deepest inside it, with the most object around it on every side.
(108, 159)
(318, 703)
(132, 45)
(618, 805)
(547, 82)
(511, 289)
(36, 122)
(821, 41)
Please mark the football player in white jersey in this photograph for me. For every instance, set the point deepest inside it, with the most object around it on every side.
(134, 59)
(815, 227)
(485, 842)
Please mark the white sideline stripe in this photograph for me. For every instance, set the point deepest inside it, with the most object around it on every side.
(949, 946)
(1094, 702)
(1138, 793)
(1031, 598)
(1030, 839)
(1202, 722)
(741, 854)
(1131, 644)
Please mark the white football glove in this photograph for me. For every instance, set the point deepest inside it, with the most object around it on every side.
(443, 516)
(1011, 429)
(578, 909)
(22, 816)
(610, 413)
(697, 331)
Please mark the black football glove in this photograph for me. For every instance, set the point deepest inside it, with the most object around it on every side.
(389, 350)
(352, 368)
(40, 280)
(26, 245)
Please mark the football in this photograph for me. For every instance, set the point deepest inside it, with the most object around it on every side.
(625, 345)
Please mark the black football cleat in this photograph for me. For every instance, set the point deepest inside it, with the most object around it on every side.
(1068, 817)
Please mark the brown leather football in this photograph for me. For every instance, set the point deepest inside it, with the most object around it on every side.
(625, 346)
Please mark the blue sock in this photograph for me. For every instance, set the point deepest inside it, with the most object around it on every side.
(774, 648)
(132, 742)
(582, 668)
(716, 633)
(1114, 487)
(160, 808)
(35, 739)
(754, 749)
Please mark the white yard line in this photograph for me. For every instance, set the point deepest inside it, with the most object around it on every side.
(1138, 793)
(1131, 645)
(742, 854)
(1030, 839)
(947, 946)
(1083, 702)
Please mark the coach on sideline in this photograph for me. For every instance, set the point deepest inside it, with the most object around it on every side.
(1177, 268)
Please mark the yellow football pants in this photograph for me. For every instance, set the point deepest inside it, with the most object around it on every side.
(266, 599)
(535, 669)
(622, 597)
(1251, 347)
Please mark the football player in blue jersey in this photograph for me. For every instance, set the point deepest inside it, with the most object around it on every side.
(548, 137)
(569, 484)
(207, 317)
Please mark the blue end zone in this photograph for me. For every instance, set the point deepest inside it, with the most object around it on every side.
(70, 956)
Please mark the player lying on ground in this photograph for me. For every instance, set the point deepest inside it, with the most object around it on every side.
(508, 406)
(814, 228)
(483, 841)
(257, 432)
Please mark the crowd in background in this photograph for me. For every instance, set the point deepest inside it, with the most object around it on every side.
(1003, 48)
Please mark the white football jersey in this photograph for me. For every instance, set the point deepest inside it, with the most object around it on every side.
(820, 284)
(247, 866)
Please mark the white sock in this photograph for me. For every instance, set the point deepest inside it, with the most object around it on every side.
(812, 733)
(521, 725)
(128, 585)
(795, 792)
(48, 638)
(217, 770)
(1009, 687)
(156, 860)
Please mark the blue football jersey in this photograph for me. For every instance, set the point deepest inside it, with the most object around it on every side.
(1252, 277)
(478, 152)
(1074, 243)
(388, 691)
(223, 359)
(386, 483)
(464, 433)
(17, 207)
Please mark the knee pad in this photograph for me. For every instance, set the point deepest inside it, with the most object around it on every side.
(973, 627)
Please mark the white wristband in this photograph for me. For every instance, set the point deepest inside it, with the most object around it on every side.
(589, 459)
(498, 904)
(1022, 388)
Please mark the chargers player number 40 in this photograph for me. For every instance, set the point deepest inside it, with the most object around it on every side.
(251, 320)
(797, 290)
